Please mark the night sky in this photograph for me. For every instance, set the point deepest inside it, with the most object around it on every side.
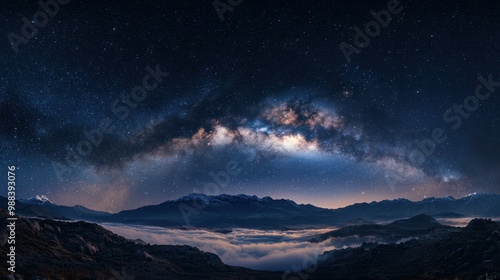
(264, 100)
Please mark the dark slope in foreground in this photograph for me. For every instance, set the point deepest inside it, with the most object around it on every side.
(79, 250)
(471, 253)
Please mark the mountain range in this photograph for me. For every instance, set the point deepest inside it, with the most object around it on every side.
(41, 206)
(231, 211)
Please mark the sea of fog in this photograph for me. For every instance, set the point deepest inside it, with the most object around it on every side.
(256, 249)
(252, 248)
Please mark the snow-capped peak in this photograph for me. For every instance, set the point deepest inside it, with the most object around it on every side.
(37, 199)
(248, 197)
(193, 196)
(476, 194)
(42, 198)
(238, 197)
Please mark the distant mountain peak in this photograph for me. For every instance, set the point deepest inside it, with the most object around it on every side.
(224, 197)
(239, 196)
(400, 200)
(37, 199)
(193, 196)
(227, 198)
(253, 197)
(445, 198)
(475, 194)
(420, 219)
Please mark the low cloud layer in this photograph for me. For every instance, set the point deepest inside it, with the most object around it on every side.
(256, 249)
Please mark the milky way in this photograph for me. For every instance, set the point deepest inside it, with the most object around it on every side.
(115, 105)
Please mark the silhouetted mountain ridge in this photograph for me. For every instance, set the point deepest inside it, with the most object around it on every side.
(420, 225)
(41, 206)
(230, 211)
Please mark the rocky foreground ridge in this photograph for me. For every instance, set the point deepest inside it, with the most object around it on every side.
(48, 249)
(472, 252)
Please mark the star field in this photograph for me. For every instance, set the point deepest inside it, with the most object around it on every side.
(263, 102)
